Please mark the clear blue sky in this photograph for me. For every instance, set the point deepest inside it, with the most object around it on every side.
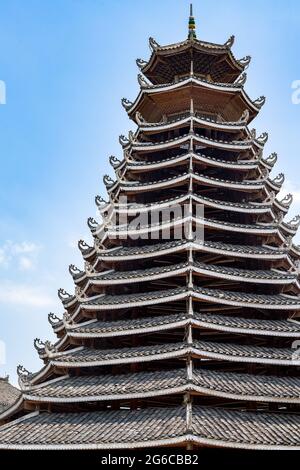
(66, 65)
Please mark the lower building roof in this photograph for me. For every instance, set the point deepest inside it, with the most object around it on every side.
(8, 393)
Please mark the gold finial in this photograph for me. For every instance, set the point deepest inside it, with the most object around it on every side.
(192, 24)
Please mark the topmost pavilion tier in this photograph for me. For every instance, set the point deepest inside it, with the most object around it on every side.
(214, 62)
(207, 73)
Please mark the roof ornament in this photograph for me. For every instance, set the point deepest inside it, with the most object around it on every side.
(53, 319)
(272, 159)
(83, 246)
(295, 222)
(287, 200)
(153, 44)
(142, 82)
(24, 375)
(92, 223)
(139, 118)
(141, 63)
(108, 181)
(73, 270)
(253, 133)
(21, 371)
(192, 25)
(241, 80)
(126, 103)
(263, 138)
(100, 201)
(245, 116)
(124, 141)
(279, 179)
(259, 102)
(229, 42)
(245, 61)
(63, 294)
(114, 161)
(39, 345)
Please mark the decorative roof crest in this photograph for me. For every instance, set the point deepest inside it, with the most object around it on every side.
(73, 270)
(142, 81)
(263, 138)
(141, 63)
(279, 179)
(241, 80)
(272, 159)
(114, 161)
(153, 44)
(229, 42)
(245, 61)
(295, 222)
(83, 246)
(63, 295)
(126, 103)
(100, 201)
(287, 200)
(53, 319)
(124, 141)
(92, 223)
(259, 102)
(108, 181)
(39, 345)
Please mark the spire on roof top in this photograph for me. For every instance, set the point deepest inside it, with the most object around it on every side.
(192, 24)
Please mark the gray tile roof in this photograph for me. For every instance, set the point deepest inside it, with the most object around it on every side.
(8, 393)
(154, 426)
(244, 324)
(119, 326)
(99, 328)
(248, 385)
(245, 428)
(104, 385)
(216, 269)
(211, 295)
(157, 247)
(215, 382)
(224, 351)
(261, 299)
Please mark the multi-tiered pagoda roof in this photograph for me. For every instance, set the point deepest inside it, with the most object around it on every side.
(187, 341)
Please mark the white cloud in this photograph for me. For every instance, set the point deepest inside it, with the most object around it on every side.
(12, 253)
(24, 295)
(25, 263)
